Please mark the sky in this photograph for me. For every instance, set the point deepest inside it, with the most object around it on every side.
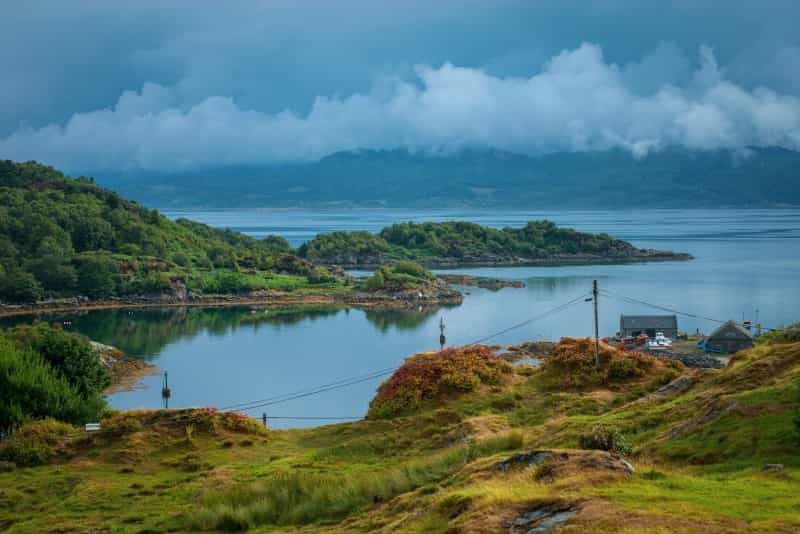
(172, 86)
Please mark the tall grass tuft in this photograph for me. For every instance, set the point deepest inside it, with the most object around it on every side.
(300, 497)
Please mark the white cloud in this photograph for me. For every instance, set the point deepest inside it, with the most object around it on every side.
(577, 101)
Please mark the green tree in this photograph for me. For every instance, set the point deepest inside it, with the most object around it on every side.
(376, 281)
(225, 282)
(71, 355)
(19, 286)
(412, 269)
(54, 273)
(97, 276)
(32, 389)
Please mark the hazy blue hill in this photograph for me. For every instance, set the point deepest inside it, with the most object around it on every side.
(670, 178)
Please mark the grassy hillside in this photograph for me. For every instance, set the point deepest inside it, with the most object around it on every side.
(479, 454)
(462, 241)
(62, 237)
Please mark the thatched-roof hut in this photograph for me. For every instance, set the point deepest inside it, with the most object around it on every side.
(730, 337)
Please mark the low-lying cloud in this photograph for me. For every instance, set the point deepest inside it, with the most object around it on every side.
(577, 101)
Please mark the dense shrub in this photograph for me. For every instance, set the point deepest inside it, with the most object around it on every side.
(151, 284)
(225, 282)
(34, 443)
(572, 364)
(412, 269)
(345, 247)
(55, 273)
(31, 388)
(97, 276)
(789, 334)
(70, 355)
(401, 276)
(436, 375)
(19, 286)
(320, 275)
(603, 438)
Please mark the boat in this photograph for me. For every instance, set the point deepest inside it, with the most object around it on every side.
(659, 342)
(704, 347)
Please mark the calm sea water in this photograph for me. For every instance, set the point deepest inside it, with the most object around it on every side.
(747, 266)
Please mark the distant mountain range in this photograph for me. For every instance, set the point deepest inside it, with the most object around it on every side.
(755, 177)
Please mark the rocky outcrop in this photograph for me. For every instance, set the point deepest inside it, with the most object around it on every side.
(480, 281)
(668, 391)
(433, 291)
(542, 520)
(495, 260)
(555, 463)
(695, 360)
(126, 372)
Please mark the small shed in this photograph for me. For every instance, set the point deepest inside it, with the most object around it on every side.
(633, 325)
(730, 337)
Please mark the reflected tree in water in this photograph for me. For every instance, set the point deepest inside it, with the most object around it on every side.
(402, 318)
(144, 332)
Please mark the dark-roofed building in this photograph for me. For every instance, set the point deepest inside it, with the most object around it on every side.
(633, 325)
(730, 337)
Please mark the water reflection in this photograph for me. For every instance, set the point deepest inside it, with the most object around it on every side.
(403, 318)
(144, 332)
(746, 265)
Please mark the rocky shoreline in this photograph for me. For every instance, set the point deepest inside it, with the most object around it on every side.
(480, 281)
(641, 256)
(126, 372)
(437, 293)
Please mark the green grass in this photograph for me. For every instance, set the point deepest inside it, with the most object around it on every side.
(297, 497)
(761, 499)
(431, 471)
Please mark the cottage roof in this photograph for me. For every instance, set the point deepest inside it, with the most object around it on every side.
(665, 322)
(731, 330)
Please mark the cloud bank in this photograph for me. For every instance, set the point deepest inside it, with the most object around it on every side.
(577, 101)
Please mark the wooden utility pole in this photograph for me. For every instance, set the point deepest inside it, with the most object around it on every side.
(596, 328)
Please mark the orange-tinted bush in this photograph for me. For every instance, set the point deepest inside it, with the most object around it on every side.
(436, 375)
(35, 443)
(572, 364)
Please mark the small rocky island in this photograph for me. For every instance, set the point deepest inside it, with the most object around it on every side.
(493, 284)
(467, 244)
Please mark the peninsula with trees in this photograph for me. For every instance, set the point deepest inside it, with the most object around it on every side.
(67, 243)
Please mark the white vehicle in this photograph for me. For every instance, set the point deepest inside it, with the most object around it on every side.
(660, 342)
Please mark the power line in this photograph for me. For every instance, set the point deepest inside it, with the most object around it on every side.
(278, 399)
(366, 376)
(531, 320)
(316, 391)
(607, 293)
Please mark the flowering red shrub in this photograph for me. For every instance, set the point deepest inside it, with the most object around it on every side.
(435, 375)
(572, 364)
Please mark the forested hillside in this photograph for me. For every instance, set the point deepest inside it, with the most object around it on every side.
(61, 236)
(673, 177)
